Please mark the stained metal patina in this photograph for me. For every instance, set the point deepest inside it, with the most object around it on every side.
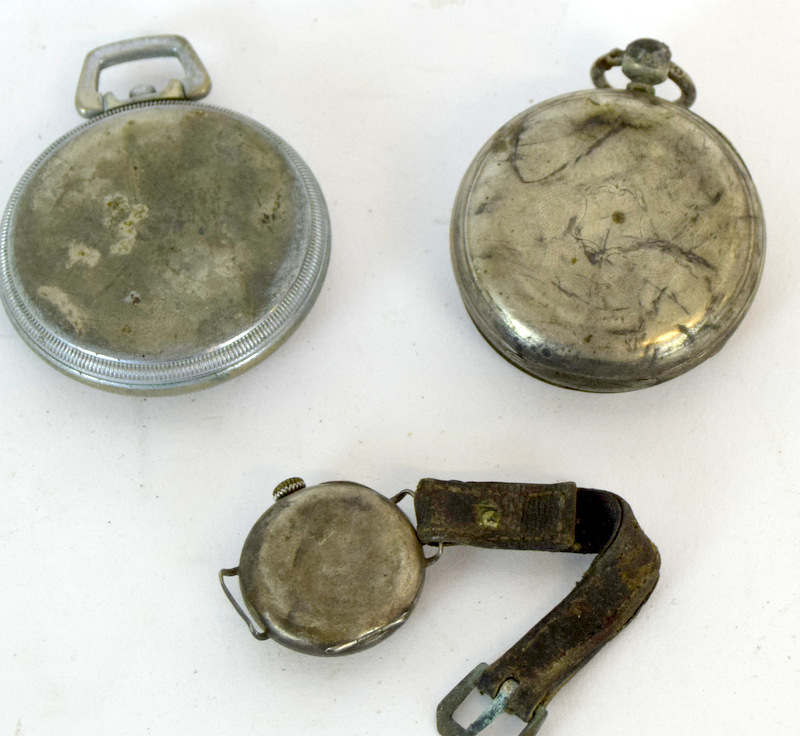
(331, 569)
(609, 240)
(164, 245)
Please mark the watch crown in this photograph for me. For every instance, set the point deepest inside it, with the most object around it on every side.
(290, 485)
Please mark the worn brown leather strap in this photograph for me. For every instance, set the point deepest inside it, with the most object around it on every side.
(560, 518)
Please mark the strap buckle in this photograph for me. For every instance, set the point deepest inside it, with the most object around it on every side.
(444, 712)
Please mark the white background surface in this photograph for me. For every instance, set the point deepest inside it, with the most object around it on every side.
(116, 512)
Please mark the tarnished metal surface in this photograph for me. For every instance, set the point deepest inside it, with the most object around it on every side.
(607, 240)
(448, 726)
(194, 85)
(331, 569)
(163, 245)
(646, 63)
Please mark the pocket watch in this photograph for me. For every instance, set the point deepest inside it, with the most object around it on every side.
(609, 240)
(164, 245)
(335, 568)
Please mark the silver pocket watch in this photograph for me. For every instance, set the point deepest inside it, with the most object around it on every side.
(609, 240)
(164, 245)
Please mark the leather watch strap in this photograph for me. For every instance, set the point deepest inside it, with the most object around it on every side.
(497, 515)
(561, 518)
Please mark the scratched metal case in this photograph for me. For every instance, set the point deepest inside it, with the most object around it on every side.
(609, 240)
(165, 244)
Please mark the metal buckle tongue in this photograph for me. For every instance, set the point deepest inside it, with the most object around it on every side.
(444, 712)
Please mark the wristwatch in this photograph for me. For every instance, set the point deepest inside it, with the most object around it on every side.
(334, 568)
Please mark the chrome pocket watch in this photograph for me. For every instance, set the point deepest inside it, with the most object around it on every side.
(609, 240)
(334, 568)
(165, 244)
